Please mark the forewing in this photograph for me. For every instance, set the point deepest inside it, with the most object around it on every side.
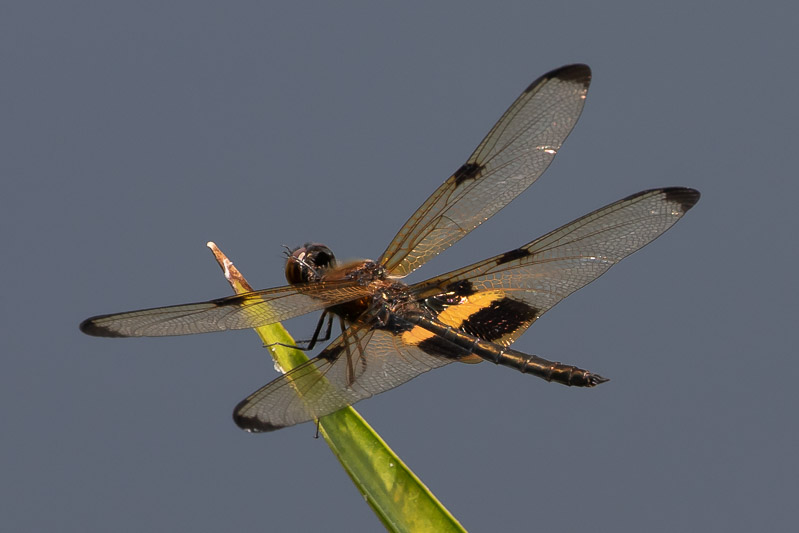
(360, 363)
(247, 310)
(497, 299)
(516, 151)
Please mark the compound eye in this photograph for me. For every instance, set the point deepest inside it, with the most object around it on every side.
(305, 263)
(320, 256)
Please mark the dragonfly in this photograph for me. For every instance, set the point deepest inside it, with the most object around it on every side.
(391, 331)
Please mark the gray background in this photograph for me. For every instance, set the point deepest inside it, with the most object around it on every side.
(132, 134)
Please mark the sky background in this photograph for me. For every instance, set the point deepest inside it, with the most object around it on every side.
(132, 133)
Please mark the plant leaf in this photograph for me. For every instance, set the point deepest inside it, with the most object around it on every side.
(399, 499)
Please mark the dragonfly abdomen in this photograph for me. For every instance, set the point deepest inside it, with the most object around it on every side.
(526, 363)
(549, 370)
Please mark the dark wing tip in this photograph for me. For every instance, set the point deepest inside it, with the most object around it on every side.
(684, 196)
(90, 327)
(576, 73)
(252, 424)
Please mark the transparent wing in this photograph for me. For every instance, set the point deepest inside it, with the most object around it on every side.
(247, 310)
(360, 363)
(497, 299)
(517, 150)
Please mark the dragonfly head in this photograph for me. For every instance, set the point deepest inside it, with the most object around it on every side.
(307, 262)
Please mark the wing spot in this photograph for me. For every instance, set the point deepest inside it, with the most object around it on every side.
(513, 255)
(332, 352)
(467, 171)
(461, 288)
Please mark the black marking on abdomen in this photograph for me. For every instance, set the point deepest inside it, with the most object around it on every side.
(396, 325)
(501, 318)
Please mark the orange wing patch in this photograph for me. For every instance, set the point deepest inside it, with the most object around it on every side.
(456, 315)
(416, 335)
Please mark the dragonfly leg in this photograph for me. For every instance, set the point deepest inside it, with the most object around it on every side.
(309, 344)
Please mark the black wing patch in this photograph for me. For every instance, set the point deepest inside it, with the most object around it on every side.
(500, 318)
